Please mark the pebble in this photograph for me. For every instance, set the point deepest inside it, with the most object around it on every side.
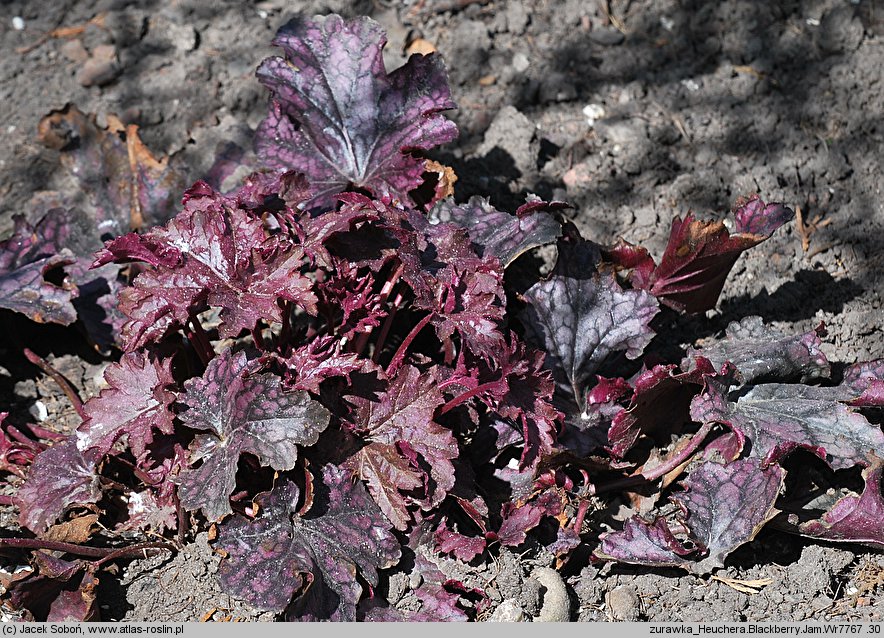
(18, 23)
(624, 604)
(508, 611)
(593, 112)
(74, 51)
(101, 68)
(521, 62)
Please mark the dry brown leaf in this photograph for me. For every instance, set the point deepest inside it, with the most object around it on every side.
(753, 586)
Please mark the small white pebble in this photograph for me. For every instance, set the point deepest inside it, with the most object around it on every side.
(813, 22)
(593, 113)
(667, 23)
(262, 14)
(521, 62)
(10, 129)
(39, 411)
(690, 84)
(18, 24)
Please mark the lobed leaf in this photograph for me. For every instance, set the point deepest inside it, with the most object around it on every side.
(241, 413)
(136, 402)
(581, 316)
(761, 353)
(776, 418)
(497, 233)
(59, 477)
(270, 559)
(724, 506)
(337, 116)
(213, 253)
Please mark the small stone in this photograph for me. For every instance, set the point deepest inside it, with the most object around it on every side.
(18, 23)
(521, 62)
(624, 604)
(508, 611)
(74, 51)
(606, 37)
(101, 68)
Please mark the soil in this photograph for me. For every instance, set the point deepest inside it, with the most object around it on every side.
(631, 110)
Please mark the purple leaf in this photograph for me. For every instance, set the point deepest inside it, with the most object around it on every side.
(700, 254)
(321, 359)
(136, 402)
(724, 506)
(241, 412)
(388, 474)
(866, 381)
(500, 234)
(661, 385)
(405, 414)
(28, 290)
(580, 317)
(520, 390)
(271, 558)
(759, 352)
(463, 548)
(776, 418)
(854, 519)
(58, 591)
(518, 520)
(338, 117)
(213, 253)
(59, 477)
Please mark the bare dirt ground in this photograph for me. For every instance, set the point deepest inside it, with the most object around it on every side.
(632, 110)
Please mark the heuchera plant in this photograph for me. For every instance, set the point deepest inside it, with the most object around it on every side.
(332, 362)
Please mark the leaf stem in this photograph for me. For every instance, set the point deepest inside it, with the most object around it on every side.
(362, 341)
(466, 396)
(200, 340)
(403, 347)
(104, 553)
(65, 385)
(661, 470)
(385, 329)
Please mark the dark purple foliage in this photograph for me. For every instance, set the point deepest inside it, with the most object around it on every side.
(761, 353)
(580, 316)
(213, 253)
(239, 412)
(136, 402)
(700, 254)
(59, 478)
(777, 418)
(270, 559)
(500, 234)
(854, 519)
(320, 368)
(722, 507)
(338, 117)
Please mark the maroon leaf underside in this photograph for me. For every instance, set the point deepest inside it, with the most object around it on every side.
(759, 352)
(776, 418)
(662, 385)
(580, 317)
(241, 413)
(270, 559)
(854, 519)
(136, 402)
(338, 117)
(213, 253)
(59, 477)
(497, 233)
(700, 254)
(724, 506)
